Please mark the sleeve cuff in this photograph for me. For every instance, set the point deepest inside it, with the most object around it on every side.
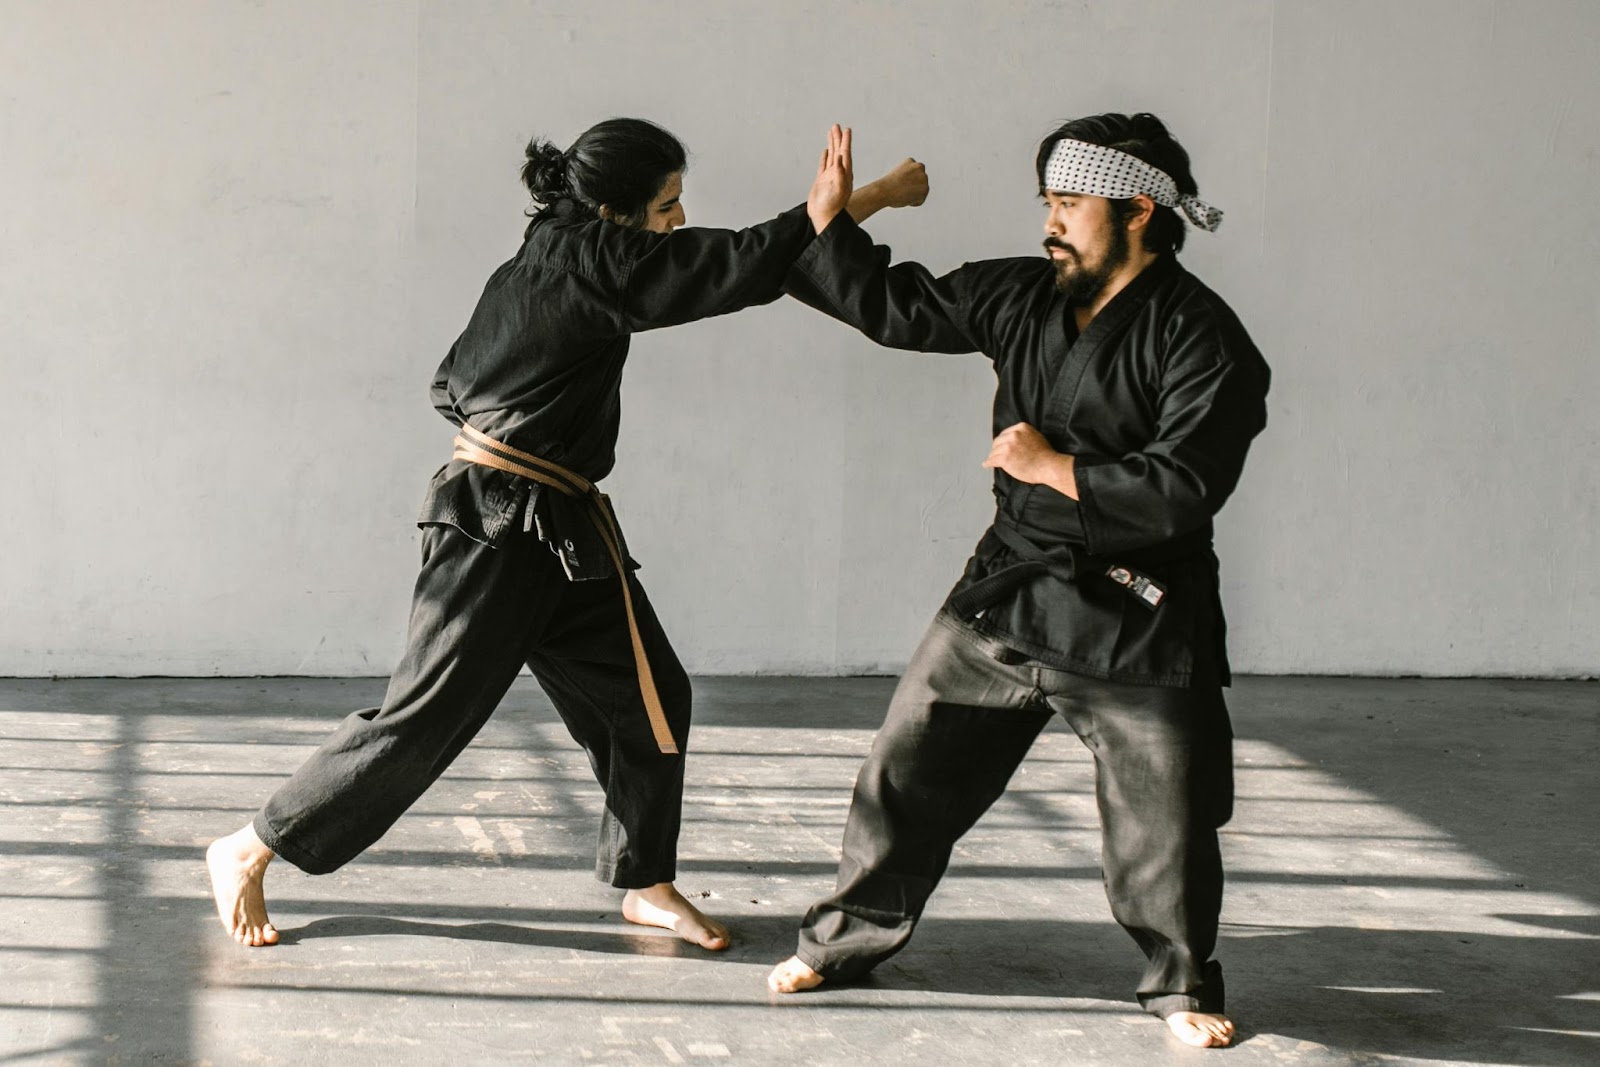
(1083, 468)
(841, 230)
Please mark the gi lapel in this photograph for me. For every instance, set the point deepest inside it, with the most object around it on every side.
(1104, 329)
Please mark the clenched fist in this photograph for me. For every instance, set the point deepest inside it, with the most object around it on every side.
(1022, 452)
(906, 185)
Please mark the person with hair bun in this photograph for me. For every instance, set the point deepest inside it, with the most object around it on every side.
(523, 562)
(1127, 395)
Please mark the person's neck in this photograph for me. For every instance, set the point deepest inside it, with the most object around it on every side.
(1135, 266)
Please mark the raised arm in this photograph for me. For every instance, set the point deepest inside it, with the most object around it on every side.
(695, 273)
(844, 275)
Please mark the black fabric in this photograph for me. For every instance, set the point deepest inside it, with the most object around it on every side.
(567, 525)
(538, 368)
(1158, 399)
(478, 615)
(539, 365)
(962, 719)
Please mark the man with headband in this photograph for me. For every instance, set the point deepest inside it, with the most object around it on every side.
(1128, 394)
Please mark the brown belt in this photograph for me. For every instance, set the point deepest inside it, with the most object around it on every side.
(474, 446)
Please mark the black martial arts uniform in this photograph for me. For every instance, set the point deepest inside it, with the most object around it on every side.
(512, 572)
(1104, 609)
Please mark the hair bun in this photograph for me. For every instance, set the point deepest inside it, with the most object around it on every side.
(545, 173)
(1146, 127)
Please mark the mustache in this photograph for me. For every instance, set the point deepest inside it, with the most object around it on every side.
(1056, 242)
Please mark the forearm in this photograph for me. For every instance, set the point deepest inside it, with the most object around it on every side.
(1145, 499)
(844, 275)
(1026, 454)
(697, 272)
(867, 201)
(1211, 408)
(1060, 474)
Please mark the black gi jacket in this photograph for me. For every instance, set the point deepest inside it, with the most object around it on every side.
(1158, 399)
(539, 366)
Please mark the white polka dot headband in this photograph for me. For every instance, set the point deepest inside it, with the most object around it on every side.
(1094, 170)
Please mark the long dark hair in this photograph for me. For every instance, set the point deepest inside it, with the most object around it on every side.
(1142, 136)
(620, 164)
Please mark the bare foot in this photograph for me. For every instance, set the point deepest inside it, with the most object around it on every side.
(238, 864)
(1202, 1030)
(793, 976)
(662, 905)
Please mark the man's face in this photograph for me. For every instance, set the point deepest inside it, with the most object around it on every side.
(1086, 242)
(665, 211)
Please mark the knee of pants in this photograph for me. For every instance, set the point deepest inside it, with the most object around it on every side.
(899, 781)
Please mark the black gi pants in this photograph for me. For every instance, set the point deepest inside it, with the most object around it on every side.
(478, 615)
(962, 719)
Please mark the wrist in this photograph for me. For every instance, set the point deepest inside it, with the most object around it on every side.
(820, 219)
(866, 202)
(1063, 475)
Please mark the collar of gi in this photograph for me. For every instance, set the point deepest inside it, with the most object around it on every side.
(564, 210)
(1095, 170)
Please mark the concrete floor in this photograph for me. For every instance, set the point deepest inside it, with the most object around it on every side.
(1413, 877)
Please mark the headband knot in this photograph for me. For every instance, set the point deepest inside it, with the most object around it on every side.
(1095, 170)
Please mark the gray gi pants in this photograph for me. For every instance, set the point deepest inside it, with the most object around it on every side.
(961, 721)
(478, 615)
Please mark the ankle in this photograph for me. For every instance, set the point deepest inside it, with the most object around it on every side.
(656, 892)
(251, 849)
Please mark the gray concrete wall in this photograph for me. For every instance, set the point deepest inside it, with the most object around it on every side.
(238, 237)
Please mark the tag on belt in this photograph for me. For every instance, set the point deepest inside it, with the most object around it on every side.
(1144, 588)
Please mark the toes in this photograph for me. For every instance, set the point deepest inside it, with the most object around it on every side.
(792, 976)
(711, 939)
(269, 934)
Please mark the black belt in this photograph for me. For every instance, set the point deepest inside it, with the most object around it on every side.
(1073, 563)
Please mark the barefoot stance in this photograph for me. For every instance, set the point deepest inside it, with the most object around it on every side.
(238, 863)
(793, 976)
(662, 905)
(1205, 1031)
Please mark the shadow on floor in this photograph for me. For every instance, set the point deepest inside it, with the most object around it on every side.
(1505, 769)
(1445, 996)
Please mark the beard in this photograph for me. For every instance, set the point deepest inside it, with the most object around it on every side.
(1082, 283)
